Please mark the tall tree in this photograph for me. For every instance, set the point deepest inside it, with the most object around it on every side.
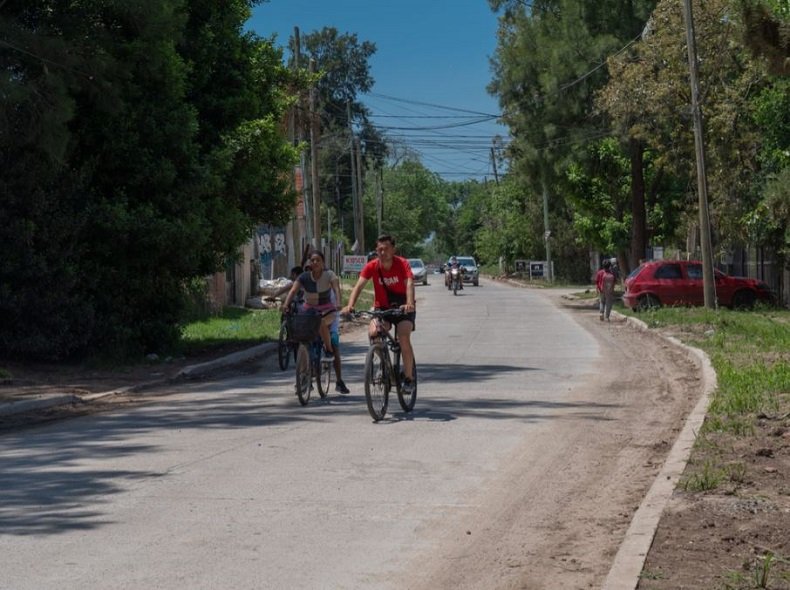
(547, 69)
(650, 87)
(414, 205)
(120, 183)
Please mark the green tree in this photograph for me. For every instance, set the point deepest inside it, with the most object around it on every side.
(343, 62)
(414, 203)
(131, 181)
(546, 72)
(650, 87)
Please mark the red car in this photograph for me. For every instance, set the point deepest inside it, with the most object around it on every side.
(679, 282)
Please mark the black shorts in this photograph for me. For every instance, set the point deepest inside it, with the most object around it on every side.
(411, 316)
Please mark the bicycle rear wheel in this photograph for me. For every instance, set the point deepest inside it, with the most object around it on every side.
(283, 348)
(406, 400)
(377, 382)
(303, 375)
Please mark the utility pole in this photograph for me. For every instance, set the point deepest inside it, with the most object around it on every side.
(360, 194)
(547, 232)
(354, 189)
(493, 161)
(379, 200)
(303, 221)
(314, 134)
(708, 280)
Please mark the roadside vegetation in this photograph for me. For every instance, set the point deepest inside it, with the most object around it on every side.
(236, 327)
(741, 451)
(750, 352)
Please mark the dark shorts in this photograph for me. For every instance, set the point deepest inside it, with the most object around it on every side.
(411, 317)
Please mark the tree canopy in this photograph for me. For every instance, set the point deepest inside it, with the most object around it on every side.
(141, 144)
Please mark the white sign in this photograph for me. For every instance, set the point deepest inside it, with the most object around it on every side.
(354, 263)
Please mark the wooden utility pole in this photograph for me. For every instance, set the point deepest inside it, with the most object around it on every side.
(379, 200)
(354, 189)
(547, 231)
(303, 214)
(314, 135)
(360, 194)
(708, 279)
(493, 161)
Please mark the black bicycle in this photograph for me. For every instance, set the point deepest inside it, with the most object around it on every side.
(285, 346)
(303, 333)
(383, 368)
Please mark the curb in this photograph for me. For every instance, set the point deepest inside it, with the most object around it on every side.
(630, 558)
(189, 372)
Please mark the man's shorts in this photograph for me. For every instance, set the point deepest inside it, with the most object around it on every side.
(411, 316)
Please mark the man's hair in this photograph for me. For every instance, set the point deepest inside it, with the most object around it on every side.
(385, 238)
(297, 270)
(607, 263)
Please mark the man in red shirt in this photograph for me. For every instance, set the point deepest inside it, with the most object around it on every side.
(393, 287)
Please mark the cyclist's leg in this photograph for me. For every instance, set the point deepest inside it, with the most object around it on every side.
(324, 332)
(335, 337)
(404, 330)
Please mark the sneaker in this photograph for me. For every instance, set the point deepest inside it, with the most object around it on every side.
(340, 387)
(408, 386)
(601, 316)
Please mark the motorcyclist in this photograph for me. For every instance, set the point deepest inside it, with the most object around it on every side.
(451, 265)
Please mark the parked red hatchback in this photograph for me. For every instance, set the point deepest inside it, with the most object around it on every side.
(679, 282)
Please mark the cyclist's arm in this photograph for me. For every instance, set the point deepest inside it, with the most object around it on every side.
(291, 294)
(409, 307)
(338, 292)
(352, 299)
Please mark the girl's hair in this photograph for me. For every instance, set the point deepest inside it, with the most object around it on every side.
(317, 253)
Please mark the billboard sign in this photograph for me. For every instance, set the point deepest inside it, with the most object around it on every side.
(354, 263)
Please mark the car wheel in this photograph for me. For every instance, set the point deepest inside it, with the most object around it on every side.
(476, 283)
(647, 302)
(743, 299)
(425, 280)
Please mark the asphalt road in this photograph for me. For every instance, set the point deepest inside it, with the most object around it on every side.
(231, 483)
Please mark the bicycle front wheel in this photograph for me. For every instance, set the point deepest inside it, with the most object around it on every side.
(325, 380)
(377, 382)
(303, 375)
(407, 400)
(283, 348)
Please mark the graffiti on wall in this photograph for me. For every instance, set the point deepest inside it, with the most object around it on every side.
(271, 246)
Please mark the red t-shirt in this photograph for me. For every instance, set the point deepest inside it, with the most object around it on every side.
(599, 280)
(395, 279)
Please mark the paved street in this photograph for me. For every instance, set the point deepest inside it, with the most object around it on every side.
(232, 484)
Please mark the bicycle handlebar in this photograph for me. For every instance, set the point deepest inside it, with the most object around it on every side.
(378, 313)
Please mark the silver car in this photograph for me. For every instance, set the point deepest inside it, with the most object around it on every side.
(418, 270)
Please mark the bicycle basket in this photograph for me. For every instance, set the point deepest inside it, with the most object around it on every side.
(303, 327)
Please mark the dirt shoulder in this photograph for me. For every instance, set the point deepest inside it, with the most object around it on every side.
(727, 525)
(558, 523)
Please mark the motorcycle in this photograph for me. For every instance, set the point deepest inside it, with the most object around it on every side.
(456, 279)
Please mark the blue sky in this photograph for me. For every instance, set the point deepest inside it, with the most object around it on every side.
(428, 51)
